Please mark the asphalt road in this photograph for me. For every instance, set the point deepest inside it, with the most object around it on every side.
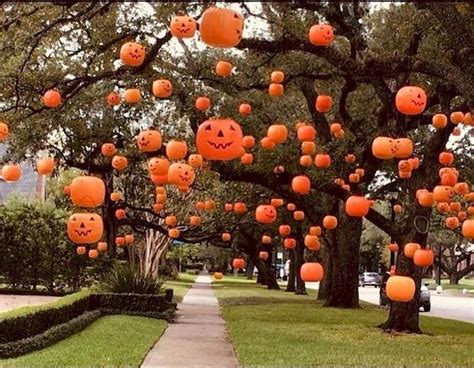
(460, 308)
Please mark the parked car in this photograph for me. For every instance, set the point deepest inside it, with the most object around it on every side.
(424, 301)
(369, 278)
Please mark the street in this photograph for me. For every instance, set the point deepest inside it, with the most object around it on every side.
(444, 306)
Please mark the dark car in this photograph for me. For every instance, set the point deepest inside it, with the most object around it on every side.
(424, 300)
(369, 278)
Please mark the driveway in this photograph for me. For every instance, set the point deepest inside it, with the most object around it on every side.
(9, 302)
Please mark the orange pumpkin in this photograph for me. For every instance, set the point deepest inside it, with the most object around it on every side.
(85, 228)
(350, 158)
(298, 215)
(306, 133)
(442, 193)
(306, 160)
(224, 68)
(195, 220)
(284, 230)
(354, 178)
(93, 253)
(81, 250)
(383, 148)
(301, 184)
(315, 230)
(149, 141)
(410, 248)
(263, 255)
(132, 54)
(323, 103)
(246, 159)
(321, 35)
(266, 239)
(45, 166)
(218, 275)
(245, 109)
(176, 150)
(446, 158)
(132, 95)
(238, 263)
(174, 233)
(468, 229)
(200, 206)
(291, 207)
(289, 243)
(322, 161)
(3, 131)
(330, 222)
(183, 26)
(158, 166)
(129, 239)
(248, 142)
(203, 103)
(393, 247)
(120, 214)
(181, 174)
(452, 222)
(462, 215)
(397, 208)
(456, 117)
(308, 148)
(311, 272)
(102, 247)
(440, 121)
(108, 149)
(52, 98)
(267, 143)
(87, 191)
(228, 207)
(266, 214)
(423, 257)
(442, 207)
(335, 128)
(410, 100)
(278, 133)
(468, 119)
(195, 160)
(403, 148)
(11, 173)
(209, 204)
(240, 207)
(159, 179)
(277, 76)
(276, 89)
(221, 27)
(113, 99)
(120, 241)
(312, 242)
(162, 88)
(357, 206)
(461, 188)
(449, 179)
(400, 288)
(158, 207)
(425, 199)
(219, 139)
(119, 163)
(171, 221)
(115, 196)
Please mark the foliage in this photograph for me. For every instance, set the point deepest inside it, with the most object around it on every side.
(329, 336)
(125, 279)
(100, 344)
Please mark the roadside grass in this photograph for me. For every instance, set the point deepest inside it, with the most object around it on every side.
(109, 341)
(463, 284)
(276, 328)
(181, 285)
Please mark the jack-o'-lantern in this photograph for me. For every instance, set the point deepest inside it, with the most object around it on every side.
(403, 147)
(446, 158)
(162, 88)
(291, 207)
(456, 117)
(308, 148)
(277, 76)
(323, 103)
(354, 178)
(52, 98)
(278, 133)
(357, 206)
(240, 207)
(248, 142)
(468, 229)
(289, 243)
(158, 166)
(440, 121)
(181, 174)
(183, 26)
(306, 133)
(228, 207)
(224, 68)
(321, 35)
(195, 160)
(176, 150)
(246, 159)
(301, 184)
(442, 207)
(263, 255)
(87, 191)
(120, 214)
(226, 237)
(276, 89)
(238, 263)
(245, 109)
(119, 163)
(132, 95)
(315, 230)
(425, 198)
(410, 248)
(171, 221)
(312, 242)
(120, 241)
(404, 166)
(209, 204)
(322, 161)
(284, 230)
(81, 250)
(461, 188)
(267, 143)
(113, 99)
(393, 247)
(449, 179)
(266, 214)
(451, 222)
(108, 149)
(350, 158)
(102, 246)
(221, 27)
(149, 141)
(400, 289)
(410, 100)
(382, 148)
(11, 173)
(306, 160)
(93, 253)
(330, 222)
(85, 228)
(45, 166)
(442, 193)
(115, 196)
(298, 215)
(462, 215)
(218, 275)
(129, 239)
(3, 131)
(132, 54)
(219, 139)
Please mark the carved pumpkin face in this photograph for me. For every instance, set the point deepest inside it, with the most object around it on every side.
(119, 163)
(85, 228)
(266, 214)
(195, 160)
(321, 35)
(183, 26)
(219, 139)
(284, 230)
(113, 99)
(181, 174)
(108, 149)
(221, 27)
(442, 193)
(410, 100)
(149, 141)
(402, 148)
(132, 54)
(3, 131)
(162, 88)
(158, 166)
(382, 148)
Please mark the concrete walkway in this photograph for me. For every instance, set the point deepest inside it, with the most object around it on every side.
(198, 338)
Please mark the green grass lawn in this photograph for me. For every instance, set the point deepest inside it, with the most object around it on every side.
(275, 328)
(463, 284)
(181, 285)
(109, 341)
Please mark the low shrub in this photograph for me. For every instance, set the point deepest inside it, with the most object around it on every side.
(125, 279)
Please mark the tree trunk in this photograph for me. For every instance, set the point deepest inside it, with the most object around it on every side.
(249, 270)
(108, 215)
(266, 276)
(299, 261)
(454, 278)
(325, 283)
(291, 285)
(344, 284)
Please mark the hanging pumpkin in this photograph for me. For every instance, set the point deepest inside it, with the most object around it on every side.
(354, 178)
(446, 158)
(410, 100)
(425, 199)
(45, 166)
(462, 215)
(81, 250)
(357, 206)
(3, 131)
(246, 159)
(449, 178)
(219, 139)
(323, 103)
(410, 248)
(267, 143)
(120, 241)
(158, 207)
(306, 133)
(322, 161)
(301, 184)
(245, 109)
(468, 228)
(102, 246)
(278, 133)
(228, 207)
(129, 239)
(181, 174)
(195, 220)
(108, 149)
(203, 103)
(266, 214)
(311, 272)
(224, 68)
(284, 230)
(312, 242)
(93, 253)
(171, 221)
(119, 163)
(350, 158)
(266, 239)
(291, 207)
(277, 76)
(306, 160)
(276, 202)
(162, 88)
(158, 166)
(439, 121)
(423, 257)
(149, 141)
(195, 160)
(113, 99)
(176, 150)
(132, 95)
(120, 214)
(132, 54)
(115, 196)
(397, 208)
(383, 148)
(360, 171)
(52, 98)
(159, 179)
(87, 191)
(442, 193)
(298, 215)
(315, 230)
(442, 207)
(174, 233)
(209, 204)
(461, 188)
(468, 119)
(248, 142)
(240, 207)
(11, 173)
(85, 228)
(238, 263)
(276, 90)
(330, 222)
(393, 247)
(403, 147)
(218, 275)
(451, 222)
(289, 243)
(308, 148)
(456, 117)
(200, 206)
(183, 26)
(263, 255)
(221, 27)
(400, 289)
(321, 35)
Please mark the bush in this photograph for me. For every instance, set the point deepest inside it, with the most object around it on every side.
(125, 279)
